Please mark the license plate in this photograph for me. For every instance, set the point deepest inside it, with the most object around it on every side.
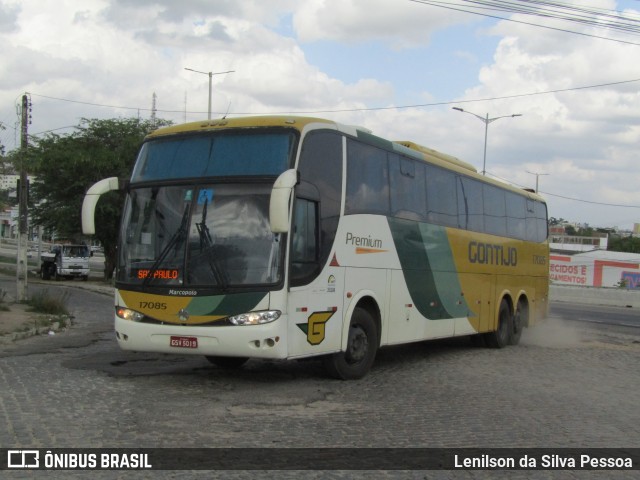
(184, 342)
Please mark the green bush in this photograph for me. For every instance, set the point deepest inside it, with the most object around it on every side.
(3, 306)
(43, 302)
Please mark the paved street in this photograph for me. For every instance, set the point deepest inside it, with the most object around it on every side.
(564, 386)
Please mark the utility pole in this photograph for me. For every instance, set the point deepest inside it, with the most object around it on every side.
(537, 176)
(486, 120)
(153, 110)
(23, 228)
(211, 74)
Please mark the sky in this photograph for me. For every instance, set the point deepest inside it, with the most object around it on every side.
(396, 67)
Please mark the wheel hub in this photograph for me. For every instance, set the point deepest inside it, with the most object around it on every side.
(358, 345)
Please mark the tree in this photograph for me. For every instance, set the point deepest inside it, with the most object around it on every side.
(2, 127)
(627, 244)
(570, 230)
(8, 197)
(65, 166)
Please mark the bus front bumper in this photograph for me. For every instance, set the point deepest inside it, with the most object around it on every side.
(253, 341)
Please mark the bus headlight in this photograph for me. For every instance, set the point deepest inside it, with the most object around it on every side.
(128, 314)
(255, 318)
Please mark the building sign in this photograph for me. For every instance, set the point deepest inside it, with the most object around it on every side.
(563, 270)
(589, 271)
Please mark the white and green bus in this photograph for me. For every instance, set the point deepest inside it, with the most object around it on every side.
(289, 237)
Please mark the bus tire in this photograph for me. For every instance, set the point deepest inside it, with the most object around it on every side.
(228, 363)
(477, 340)
(362, 346)
(500, 337)
(517, 325)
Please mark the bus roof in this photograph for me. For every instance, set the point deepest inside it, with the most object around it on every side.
(431, 153)
(300, 122)
(239, 122)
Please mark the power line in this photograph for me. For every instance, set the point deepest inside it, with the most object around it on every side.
(629, 26)
(564, 197)
(399, 107)
(590, 201)
(103, 104)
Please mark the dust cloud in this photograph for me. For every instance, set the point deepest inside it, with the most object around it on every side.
(554, 333)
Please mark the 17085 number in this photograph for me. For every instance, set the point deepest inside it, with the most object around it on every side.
(153, 305)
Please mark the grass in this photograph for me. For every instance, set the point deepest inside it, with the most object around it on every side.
(12, 260)
(43, 302)
(3, 306)
(47, 322)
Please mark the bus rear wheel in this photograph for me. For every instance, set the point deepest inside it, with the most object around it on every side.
(228, 363)
(518, 324)
(362, 345)
(501, 336)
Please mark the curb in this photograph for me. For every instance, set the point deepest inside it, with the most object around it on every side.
(63, 322)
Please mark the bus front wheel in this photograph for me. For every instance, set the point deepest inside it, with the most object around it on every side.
(500, 338)
(362, 345)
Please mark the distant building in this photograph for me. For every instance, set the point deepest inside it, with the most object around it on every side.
(585, 261)
(597, 268)
(9, 222)
(560, 241)
(9, 217)
(9, 182)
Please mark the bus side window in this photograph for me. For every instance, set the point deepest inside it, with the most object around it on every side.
(367, 180)
(542, 224)
(408, 195)
(304, 245)
(516, 216)
(495, 214)
(442, 202)
(473, 204)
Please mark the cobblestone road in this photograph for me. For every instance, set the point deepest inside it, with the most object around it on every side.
(562, 387)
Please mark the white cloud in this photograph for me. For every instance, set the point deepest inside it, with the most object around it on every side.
(403, 23)
(8, 16)
(118, 52)
(583, 139)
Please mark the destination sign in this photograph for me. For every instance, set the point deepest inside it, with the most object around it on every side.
(160, 273)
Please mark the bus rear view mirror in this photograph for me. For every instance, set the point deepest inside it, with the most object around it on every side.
(91, 199)
(280, 199)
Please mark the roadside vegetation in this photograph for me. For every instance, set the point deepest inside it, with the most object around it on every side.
(3, 305)
(44, 302)
(50, 312)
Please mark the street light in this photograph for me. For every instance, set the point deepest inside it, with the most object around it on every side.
(537, 175)
(486, 120)
(211, 74)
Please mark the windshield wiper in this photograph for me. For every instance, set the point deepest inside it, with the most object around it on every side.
(175, 241)
(206, 247)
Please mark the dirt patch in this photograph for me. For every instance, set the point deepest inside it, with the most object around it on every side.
(17, 318)
(18, 322)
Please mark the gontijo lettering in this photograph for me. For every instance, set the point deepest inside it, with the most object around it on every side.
(491, 254)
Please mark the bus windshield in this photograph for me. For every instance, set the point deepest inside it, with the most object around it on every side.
(197, 213)
(214, 235)
(215, 154)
